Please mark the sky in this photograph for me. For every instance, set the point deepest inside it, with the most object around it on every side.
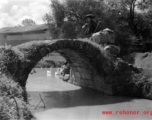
(12, 12)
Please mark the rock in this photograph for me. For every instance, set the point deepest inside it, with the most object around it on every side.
(112, 49)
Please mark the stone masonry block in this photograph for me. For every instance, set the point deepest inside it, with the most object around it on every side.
(76, 64)
(66, 43)
(81, 45)
(86, 47)
(105, 86)
(85, 82)
(78, 79)
(77, 74)
(71, 43)
(87, 75)
(54, 46)
(72, 78)
(87, 70)
(92, 87)
(60, 44)
(79, 69)
(99, 81)
(43, 52)
(77, 44)
(90, 82)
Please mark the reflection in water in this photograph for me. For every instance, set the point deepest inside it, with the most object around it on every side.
(65, 101)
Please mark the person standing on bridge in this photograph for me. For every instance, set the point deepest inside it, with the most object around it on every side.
(91, 26)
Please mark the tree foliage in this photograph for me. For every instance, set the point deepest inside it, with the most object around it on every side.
(68, 18)
(28, 22)
(134, 14)
(130, 19)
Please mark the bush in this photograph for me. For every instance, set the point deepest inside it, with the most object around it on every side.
(130, 81)
(12, 105)
(48, 64)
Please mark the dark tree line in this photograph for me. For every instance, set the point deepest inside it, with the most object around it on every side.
(130, 19)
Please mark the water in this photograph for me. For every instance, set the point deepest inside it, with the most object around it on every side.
(65, 101)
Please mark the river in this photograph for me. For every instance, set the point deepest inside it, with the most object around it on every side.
(65, 101)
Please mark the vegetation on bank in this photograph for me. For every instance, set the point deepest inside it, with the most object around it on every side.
(12, 105)
(140, 60)
(52, 60)
(130, 81)
(49, 63)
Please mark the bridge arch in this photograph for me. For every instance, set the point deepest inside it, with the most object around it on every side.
(90, 64)
(87, 60)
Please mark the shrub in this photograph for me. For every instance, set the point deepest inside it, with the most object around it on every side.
(130, 81)
(12, 106)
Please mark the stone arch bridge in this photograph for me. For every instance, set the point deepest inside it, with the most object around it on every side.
(91, 66)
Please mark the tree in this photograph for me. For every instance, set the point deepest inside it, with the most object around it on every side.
(28, 22)
(58, 12)
(128, 18)
(135, 15)
(69, 16)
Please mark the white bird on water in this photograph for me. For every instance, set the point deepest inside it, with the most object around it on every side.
(49, 71)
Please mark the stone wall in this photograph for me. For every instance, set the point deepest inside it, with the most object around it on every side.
(84, 74)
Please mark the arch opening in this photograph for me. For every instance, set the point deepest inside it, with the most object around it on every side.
(84, 70)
